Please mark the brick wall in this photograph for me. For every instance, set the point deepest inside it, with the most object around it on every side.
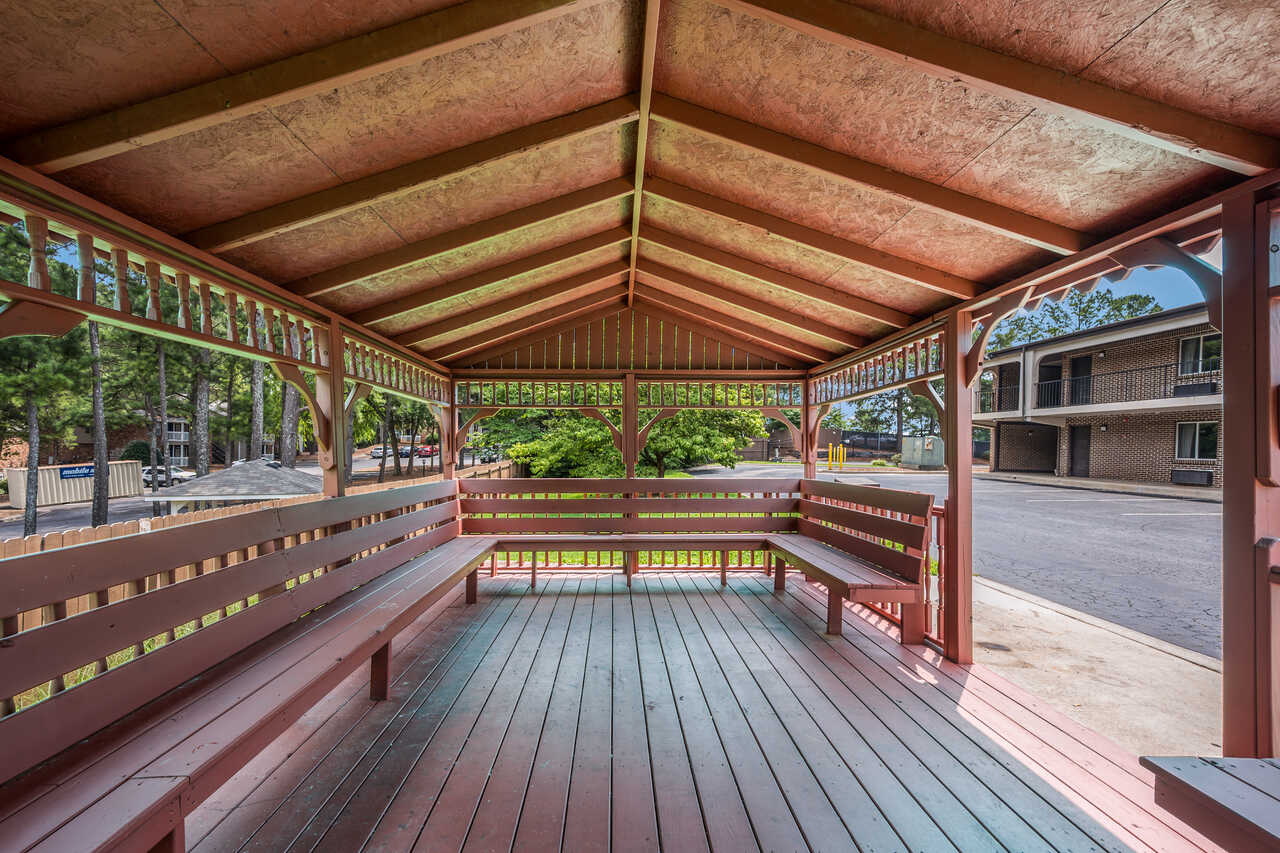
(1138, 446)
(1025, 447)
(1136, 360)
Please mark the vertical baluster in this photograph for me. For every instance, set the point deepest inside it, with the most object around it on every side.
(267, 338)
(233, 317)
(38, 236)
(184, 300)
(87, 289)
(251, 319)
(153, 290)
(120, 301)
(206, 309)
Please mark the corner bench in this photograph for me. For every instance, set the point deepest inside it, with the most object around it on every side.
(864, 543)
(130, 752)
(1234, 801)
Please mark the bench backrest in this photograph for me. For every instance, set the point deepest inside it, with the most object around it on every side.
(886, 527)
(164, 606)
(697, 505)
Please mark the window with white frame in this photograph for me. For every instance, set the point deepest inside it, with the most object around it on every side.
(1200, 354)
(1197, 440)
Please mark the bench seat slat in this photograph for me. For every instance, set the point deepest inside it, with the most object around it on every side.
(1219, 788)
(631, 541)
(564, 506)
(895, 500)
(908, 533)
(839, 566)
(132, 817)
(873, 553)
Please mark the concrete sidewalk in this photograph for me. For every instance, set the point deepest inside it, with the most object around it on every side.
(1149, 696)
(1124, 487)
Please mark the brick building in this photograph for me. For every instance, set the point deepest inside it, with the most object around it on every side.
(1135, 400)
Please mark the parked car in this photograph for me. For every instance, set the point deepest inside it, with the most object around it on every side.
(490, 454)
(423, 451)
(404, 451)
(175, 475)
(377, 452)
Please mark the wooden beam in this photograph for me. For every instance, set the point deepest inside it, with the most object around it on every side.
(986, 214)
(538, 336)
(323, 69)
(468, 235)
(647, 57)
(589, 281)
(662, 277)
(396, 307)
(335, 201)
(704, 326)
(776, 278)
(1048, 90)
(809, 238)
(722, 325)
(495, 335)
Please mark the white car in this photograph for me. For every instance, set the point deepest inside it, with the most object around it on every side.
(176, 475)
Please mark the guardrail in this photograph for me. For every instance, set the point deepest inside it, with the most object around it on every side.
(1001, 398)
(1160, 382)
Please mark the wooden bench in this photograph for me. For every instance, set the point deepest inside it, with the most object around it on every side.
(864, 543)
(131, 751)
(1235, 801)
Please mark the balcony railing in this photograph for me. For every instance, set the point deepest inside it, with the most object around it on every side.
(1002, 398)
(1163, 381)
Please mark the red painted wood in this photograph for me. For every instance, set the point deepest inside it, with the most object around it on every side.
(567, 506)
(634, 821)
(586, 826)
(895, 500)
(608, 525)
(620, 486)
(380, 673)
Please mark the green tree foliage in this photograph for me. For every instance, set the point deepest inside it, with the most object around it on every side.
(697, 436)
(139, 450)
(1076, 312)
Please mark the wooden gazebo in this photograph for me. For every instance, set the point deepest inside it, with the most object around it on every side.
(623, 208)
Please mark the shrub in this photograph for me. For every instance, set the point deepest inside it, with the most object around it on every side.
(879, 463)
(139, 450)
(896, 459)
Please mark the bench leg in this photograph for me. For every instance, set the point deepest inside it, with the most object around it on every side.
(779, 574)
(724, 568)
(913, 624)
(533, 570)
(632, 565)
(835, 612)
(380, 673)
(473, 582)
(175, 841)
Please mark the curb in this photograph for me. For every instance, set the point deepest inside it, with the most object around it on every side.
(1200, 660)
(1135, 489)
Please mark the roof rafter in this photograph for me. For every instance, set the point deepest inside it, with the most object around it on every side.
(569, 323)
(647, 60)
(837, 247)
(591, 280)
(495, 335)
(986, 214)
(713, 327)
(657, 275)
(1133, 116)
(290, 79)
(759, 336)
(384, 311)
(468, 235)
(776, 278)
(382, 186)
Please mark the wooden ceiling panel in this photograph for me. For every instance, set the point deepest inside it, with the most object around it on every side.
(771, 185)
(316, 247)
(552, 68)
(68, 59)
(854, 103)
(511, 183)
(960, 248)
(1084, 177)
(1204, 56)
(535, 238)
(786, 299)
(888, 290)
(460, 303)
(1063, 34)
(207, 176)
(754, 243)
(283, 28)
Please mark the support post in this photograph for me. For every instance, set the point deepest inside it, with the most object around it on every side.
(473, 583)
(957, 587)
(808, 448)
(630, 425)
(779, 574)
(1251, 496)
(380, 673)
(724, 568)
(835, 612)
(333, 399)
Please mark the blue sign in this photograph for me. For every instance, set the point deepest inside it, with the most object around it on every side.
(75, 472)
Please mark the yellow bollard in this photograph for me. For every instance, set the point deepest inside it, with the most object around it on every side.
(829, 468)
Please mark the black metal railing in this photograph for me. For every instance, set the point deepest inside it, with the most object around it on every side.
(1001, 398)
(1163, 381)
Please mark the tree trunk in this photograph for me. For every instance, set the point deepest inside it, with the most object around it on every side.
(101, 470)
(161, 454)
(382, 434)
(255, 416)
(350, 442)
(899, 402)
(391, 430)
(228, 453)
(33, 465)
(200, 437)
(289, 426)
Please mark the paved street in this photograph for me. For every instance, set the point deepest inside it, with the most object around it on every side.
(1150, 564)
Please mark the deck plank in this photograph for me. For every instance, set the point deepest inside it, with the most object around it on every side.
(678, 715)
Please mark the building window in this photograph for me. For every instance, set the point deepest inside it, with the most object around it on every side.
(1199, 354)
(1197, 440)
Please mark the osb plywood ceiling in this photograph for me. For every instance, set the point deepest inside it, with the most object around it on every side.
(683, 184)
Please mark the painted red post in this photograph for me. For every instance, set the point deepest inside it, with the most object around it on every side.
(808, 435)
(335, 390)
(957, 585)
(779, 574)
(630, 425)
(1251, 499)
(380, 673)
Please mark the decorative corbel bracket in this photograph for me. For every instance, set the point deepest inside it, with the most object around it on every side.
(1008, 304)
(643, 438)
(924, 388)
(20, 317)
(357, 393)
(797, 440)
(471, 421)
(1159, 252)
(321, 414)
(598, 415)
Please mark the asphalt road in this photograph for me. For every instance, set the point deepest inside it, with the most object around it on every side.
(1150, 564)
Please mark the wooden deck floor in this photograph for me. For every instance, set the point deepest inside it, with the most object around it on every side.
(584, 717)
